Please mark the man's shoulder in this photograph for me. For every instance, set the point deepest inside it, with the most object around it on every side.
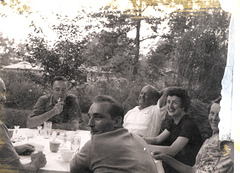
(45, 97)
(136, 108)
(71, 97)
(152, 109)
(110, 134)
(87, 145)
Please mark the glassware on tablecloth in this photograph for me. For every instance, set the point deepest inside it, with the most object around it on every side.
(10, 132)
(47, 129)
(66, 143)
(66, 154)
(75, 143)
(54, 146)
(16, 130)
(29, 135)
(39, 130)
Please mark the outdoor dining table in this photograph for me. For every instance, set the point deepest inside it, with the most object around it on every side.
(55, 164)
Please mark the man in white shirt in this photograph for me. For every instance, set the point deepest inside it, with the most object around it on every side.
(146, 119)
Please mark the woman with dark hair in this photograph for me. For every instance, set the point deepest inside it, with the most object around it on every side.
(180, 137)
(215, 156)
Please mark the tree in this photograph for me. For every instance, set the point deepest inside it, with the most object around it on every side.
(63, 58)
(8, 51)
(133, 14)
(195, 53)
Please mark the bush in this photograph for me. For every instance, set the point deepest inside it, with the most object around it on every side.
(13, 117)
(199, 112)
(22, 93)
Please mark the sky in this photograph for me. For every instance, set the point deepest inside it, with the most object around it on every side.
(17, 26)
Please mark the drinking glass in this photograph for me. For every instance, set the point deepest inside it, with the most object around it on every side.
(16, 129)
(29, 136)
(47, 128)
(39, 129)
(75, 143)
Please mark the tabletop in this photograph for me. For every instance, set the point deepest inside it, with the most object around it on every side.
(55, 164)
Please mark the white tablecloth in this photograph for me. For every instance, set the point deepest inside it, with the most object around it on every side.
(54, 162)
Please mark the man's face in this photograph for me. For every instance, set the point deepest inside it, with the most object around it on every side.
(2, 92)
(100, 121)
(146, 98)
(60, 90)
(213, 116)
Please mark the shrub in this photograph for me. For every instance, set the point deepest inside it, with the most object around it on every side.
(13, 117)
(22, 93)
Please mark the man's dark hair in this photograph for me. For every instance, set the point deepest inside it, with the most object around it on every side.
(182, 94)
(58, 78)
(116, 109)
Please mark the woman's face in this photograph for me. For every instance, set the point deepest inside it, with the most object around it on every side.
(174, 106)
(213, 117)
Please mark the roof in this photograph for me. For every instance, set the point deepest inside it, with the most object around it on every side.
(24, 65)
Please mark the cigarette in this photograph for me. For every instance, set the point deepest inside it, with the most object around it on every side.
(59, 99)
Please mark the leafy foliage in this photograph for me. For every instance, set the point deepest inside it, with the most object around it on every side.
(193, 54)
(22, 93)
(16, 6)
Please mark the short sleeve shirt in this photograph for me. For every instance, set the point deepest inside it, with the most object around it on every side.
(71, 109)
(185, 128)
(144, 122)
(7, 152)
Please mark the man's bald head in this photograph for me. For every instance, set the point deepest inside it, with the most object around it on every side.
(148, 96)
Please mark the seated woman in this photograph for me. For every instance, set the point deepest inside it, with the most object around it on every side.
(214, 156)
(180, 137)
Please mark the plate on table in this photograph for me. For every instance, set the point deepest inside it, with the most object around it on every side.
(38, 147)
(17, 138)
(59, 158)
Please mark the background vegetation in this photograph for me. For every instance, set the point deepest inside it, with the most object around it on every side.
(191, 54)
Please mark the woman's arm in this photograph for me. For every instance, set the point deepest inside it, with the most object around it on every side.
(182, 168)
(159, 139)
(172, 150)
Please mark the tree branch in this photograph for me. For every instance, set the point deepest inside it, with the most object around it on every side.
(151, 37)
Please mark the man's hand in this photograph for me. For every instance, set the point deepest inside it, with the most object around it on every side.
(38, 160)
(25, 149)
(58, 108)
(157, 155)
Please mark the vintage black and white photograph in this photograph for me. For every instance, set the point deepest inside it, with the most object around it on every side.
(119, 86)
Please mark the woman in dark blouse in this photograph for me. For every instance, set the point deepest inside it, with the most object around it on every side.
(180, 137)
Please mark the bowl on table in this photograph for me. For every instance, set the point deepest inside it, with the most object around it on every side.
(66, 154)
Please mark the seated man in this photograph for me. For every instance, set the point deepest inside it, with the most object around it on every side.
(146, 119)
(111, 148)
(9, 158)
(61, 108)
